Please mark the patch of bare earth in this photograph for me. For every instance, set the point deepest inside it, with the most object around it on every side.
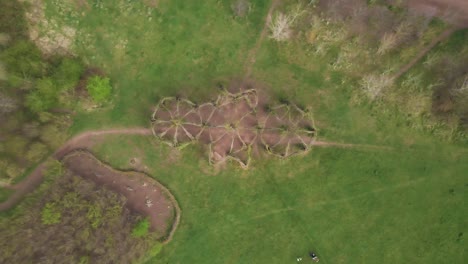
(236, 124)
(82, 141)
(48, 35)
(144, 195)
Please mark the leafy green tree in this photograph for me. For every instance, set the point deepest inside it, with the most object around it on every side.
(99, 88)
(94, 215)
(50, 214)
(67, 74)
(23, 59)
(141, 228)
(43, 97)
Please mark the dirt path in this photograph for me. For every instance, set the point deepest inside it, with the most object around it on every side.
(81, 141)
(345, 145)
(454, 12)
(144, 194)
(251, 58)
(443, 36)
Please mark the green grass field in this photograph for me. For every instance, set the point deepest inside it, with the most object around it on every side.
(355, 205)
(352, 206)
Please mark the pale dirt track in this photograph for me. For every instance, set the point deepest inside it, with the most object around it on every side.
(454, 12)
(443, 36)
(251, 58)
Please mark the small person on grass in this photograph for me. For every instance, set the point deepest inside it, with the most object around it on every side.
(314, 256)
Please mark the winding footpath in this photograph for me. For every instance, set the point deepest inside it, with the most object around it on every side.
(81, 141)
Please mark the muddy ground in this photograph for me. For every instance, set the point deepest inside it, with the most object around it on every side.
(144, 195)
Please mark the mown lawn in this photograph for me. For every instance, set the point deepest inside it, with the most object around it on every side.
(403, 205)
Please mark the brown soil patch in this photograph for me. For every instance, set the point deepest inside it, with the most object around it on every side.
(452, 11)
(144, 194)
(151, 3)
(80, 88)
(235, 125)
(81, 141)
(164, 220)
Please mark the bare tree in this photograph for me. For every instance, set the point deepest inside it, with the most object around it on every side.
(241, 8)
(374, 85)
(280, 25)
(388, 42)
(462, 87)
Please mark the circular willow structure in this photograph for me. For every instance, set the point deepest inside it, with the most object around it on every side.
(233, 125)
(287, 131)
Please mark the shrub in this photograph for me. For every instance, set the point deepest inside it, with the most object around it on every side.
(99, 89)
(94, 215)
(151, 253)
(388, 42)
(23, 58)
(13, 170)
(141, 228)
(53, 135)
(36, 152)
(54, 168)
(280, 25)
(68, 73)
(84, 260)
(375, 85)
(50, 214)
(16, 146)
(43, 97)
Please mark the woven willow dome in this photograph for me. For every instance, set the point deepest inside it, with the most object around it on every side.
(233, 125)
